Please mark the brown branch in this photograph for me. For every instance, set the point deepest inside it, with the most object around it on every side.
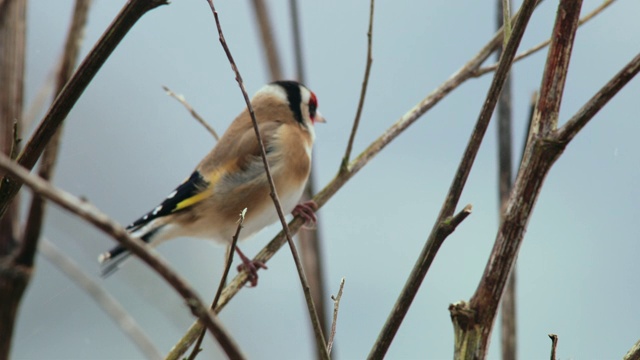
(192, 111)
(599, 100)
(35, 218)
(124, 21)
(554, 345)
(108, 303)
(13, 277)
(223, 280)
(439, 233)
(483, 70)
(473, 322)
(336, 307)
(91, 214)
(363, 91)
(12, 63)
(269, 43)
(319, 337)
(406, 120)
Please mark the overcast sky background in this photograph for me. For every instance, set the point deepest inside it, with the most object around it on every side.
(127, 145)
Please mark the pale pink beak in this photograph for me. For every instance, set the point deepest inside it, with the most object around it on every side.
(319, 118)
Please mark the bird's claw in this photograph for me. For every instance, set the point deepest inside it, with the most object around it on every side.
(307, 211)
(252, 267)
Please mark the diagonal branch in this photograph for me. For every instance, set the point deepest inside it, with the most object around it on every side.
(103, 298)
(94, 216)
(192, 111)
(489, 68)
(599, 100)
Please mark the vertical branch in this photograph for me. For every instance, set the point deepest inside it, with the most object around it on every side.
(102, 297)
(363, 91)
(505, 180)
(445, 217)
(269, 44)
(13, 279)
(309, 240)
(12, 51)
(319, 337)
(297, 40)
(35, 218)
(473, 322)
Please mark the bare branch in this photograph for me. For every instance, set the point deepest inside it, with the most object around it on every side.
(633, 353)
(35, 218)
(108, 303)
(91, 214)
(599, 100)
(124, 21)
(473, 323)
(319, 337)
(181, 99)
(12, 63)
(554, 345)
(363, 91)
(297, 40)
(13, 277)
(439, 232)
(483, 70)
(336, 306)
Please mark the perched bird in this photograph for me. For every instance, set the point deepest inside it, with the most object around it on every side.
(232, 177)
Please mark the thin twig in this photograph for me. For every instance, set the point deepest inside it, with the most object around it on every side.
(485, 69)
(363, 91)
(223, 280)
(554, 345)
(336, 306)
(319, 337)
(124, 21)
(91, 214)
(599, 100)
(181, 99)
(309, 239)
(103, 298)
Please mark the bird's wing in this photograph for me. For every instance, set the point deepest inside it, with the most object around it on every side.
(186, 194)
(239, 160)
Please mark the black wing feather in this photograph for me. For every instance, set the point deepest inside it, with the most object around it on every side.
(194, 185)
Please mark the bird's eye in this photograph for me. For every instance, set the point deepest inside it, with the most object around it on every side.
(313, 105)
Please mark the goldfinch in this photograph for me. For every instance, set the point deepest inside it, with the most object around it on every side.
(232, 177)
